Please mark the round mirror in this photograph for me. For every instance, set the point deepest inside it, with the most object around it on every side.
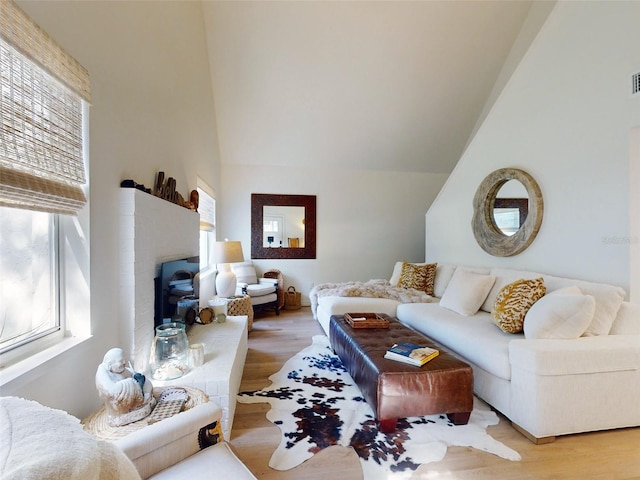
(506, 219)
(510, 207)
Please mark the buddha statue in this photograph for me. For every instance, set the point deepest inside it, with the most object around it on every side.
(127, 395)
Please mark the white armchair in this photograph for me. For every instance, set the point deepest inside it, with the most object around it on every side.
(266, 291)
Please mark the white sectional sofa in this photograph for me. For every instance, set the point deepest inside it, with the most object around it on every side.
(575, 368)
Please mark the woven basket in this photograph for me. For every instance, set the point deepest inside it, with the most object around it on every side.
(292, 299)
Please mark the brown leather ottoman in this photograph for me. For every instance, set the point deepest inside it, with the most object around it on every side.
(397, 390)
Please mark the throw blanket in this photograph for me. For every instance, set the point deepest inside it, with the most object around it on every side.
(371, 289)
(38, 442)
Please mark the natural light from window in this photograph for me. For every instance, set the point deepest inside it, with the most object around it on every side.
(28, 300)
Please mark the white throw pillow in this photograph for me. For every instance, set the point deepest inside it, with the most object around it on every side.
(245, 272)
(443, 277)
(563, 314)
(466, 291)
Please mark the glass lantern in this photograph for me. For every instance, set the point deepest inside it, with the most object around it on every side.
(169, 352)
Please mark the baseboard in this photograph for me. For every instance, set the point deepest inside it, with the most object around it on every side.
(532, 438)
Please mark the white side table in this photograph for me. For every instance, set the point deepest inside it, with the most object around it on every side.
(225, 351)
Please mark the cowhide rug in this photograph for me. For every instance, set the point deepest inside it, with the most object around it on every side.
(316, 404)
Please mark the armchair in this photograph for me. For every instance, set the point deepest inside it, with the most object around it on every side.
(264, 292)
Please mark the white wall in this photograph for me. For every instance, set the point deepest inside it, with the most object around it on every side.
(152, 110)
(565, 117)
(634, 214)
(373, 85)
(366, 220)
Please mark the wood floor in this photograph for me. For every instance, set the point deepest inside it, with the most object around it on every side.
(274, 339)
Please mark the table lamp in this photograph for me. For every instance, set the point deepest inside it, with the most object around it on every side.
(225, 253)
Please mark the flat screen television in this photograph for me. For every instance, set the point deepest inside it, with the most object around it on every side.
(175, 291)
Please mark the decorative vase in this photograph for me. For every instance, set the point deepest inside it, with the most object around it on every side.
(169, 352)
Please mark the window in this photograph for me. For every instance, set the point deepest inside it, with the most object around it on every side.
(207, 210)
(28, 261)
(43, 222)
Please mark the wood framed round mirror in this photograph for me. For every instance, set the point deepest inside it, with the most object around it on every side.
(491, 237)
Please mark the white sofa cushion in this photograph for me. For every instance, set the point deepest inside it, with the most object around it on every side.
(582, 356)
(341, 305)
(628, 320)
(474, 338)
(217, 461)
(563, 314)
(466, 291)
(608, 299)
(443, 277)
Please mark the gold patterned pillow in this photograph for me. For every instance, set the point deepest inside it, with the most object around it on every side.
(514, 301)
(420, 277)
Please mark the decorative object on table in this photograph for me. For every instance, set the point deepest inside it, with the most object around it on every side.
(166, 190)
(411, 353)
(206, 315)
(171, 401)
(128, 183)
(292, 299)
(127, 395)
(194, 201)
(169, 352)
(97, 423)
(225, 253)
(366, 320)
(219, 306)
(316, 404)
(196, 355)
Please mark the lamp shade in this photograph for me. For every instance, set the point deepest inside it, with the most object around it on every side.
(228, 252)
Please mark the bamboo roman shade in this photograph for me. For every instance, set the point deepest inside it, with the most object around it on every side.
(41, 159)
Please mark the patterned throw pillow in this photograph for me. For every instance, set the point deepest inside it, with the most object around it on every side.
(420, 277)
(514, 301)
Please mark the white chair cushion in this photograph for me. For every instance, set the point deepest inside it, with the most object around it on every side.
(217, 461)
(272, 297)
(259, 289)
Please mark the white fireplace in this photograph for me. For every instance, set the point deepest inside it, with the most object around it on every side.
(152, 231)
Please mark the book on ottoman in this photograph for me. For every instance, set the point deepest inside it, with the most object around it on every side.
(411, 353)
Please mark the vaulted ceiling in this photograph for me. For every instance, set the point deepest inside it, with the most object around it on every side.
(390, 85)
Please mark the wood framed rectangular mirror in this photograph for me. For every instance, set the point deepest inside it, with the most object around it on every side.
(280, 222)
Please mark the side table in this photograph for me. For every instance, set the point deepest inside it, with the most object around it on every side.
(241, 306)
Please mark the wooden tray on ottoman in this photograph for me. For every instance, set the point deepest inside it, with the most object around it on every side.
(366, 320)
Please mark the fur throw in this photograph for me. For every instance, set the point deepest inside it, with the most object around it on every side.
(371, 289)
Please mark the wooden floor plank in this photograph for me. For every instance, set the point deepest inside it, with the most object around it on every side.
(610, 455)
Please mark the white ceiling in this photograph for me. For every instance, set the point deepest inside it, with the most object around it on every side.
(367, 85)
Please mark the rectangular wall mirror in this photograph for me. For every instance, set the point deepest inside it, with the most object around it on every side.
(283, 226)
